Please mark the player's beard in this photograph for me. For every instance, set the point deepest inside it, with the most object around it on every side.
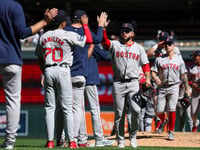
(126, 40)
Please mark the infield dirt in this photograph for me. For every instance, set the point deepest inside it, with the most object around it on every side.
(182, 139)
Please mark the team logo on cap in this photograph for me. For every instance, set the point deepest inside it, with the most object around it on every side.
(126, 25)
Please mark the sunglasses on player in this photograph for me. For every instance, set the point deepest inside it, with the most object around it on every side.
(125, 30)
(169, 44)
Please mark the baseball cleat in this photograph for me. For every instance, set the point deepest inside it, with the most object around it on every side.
(72, 144)
(133, 143)
(104, 142)
(49, 144)
(7, 145)
(87, 144)
(171, 136)
(61, 143)
(121, 145)
(195, 127)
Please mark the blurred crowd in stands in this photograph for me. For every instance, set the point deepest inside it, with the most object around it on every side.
(32, 40)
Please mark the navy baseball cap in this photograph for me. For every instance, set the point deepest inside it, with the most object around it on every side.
(78, 13)
(169, 41)
(196, 53)
(163, 36)
(127, 26)
(61, 16)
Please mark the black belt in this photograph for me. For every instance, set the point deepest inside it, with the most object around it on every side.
(126, 80)
(167, 85)
(61, 65)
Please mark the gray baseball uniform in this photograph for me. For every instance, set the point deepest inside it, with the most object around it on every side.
(160, 52)
(126, 63)
(195, 105)
(55, 47)
(183, 113)
(169, 72)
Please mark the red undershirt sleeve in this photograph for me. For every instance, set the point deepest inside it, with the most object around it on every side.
(106, 42)
(88, 34)
(146, 68)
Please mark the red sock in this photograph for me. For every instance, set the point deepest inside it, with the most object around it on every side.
(162, 117)
(172, 120)
(158, 124)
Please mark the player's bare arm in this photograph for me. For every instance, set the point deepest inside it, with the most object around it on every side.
(184, 78)
(147, 81)
(155, 78)
(151, 51)
(48, 16)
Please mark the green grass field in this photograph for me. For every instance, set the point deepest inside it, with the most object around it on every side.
(38, 144)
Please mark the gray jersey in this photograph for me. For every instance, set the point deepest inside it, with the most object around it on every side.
(126, 60)
(169, 69)
(195, 71)
(57, 46)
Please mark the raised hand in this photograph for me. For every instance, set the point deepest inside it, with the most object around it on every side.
(50, 14)
(102, 18)
(84, 19)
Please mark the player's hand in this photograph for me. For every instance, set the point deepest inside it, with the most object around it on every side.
(102, 18)
(84, 19)
(147, 83)
(160, 44)
(106, 23)
(195, 87)
(50, 14)
(188, 92)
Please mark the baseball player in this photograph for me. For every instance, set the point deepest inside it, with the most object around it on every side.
(158, 50)
(171, 70)
(55, 58)
(127, 58)
(92, 97)
(184, 113)
(79, 70)
(13, 28)
(195, 78)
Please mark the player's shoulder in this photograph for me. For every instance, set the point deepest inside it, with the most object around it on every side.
(11, 6)
(116, 42)
(74, 29)
(139, 47)
(138, 44)
(193, 66)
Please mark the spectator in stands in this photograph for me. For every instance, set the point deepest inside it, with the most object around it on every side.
(172, 35)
